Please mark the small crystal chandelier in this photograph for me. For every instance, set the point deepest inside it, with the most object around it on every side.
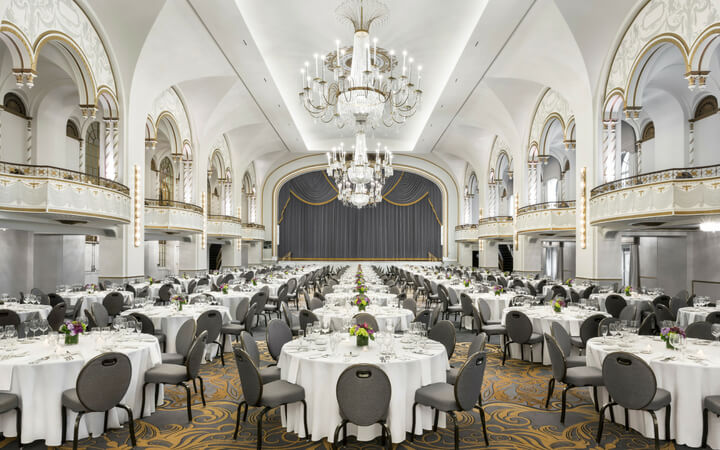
(359, 182)
(364, 85)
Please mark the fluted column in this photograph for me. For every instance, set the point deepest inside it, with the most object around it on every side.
(28, 143)
(156, 182)
(638, 149)
(109, 164)
(691, 144)
(81, 156)
(115, 149)
(187, 181)
(609, 150)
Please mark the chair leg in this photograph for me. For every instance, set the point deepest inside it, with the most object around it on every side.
(705, 427)
(202, 389)
(63, 437)
(75, 431)
(131, 426)
(505, 349)
(522, 353)
(387, 435)
(337, 434)
(18, 425)
(220, 350)
(142, 404)
(627, 420)
(551, 389)
(453, 418)
(105, 420)
(259, 427)
(595, 398)
(345, 434)
(435, 421)
(601, 421)
(307, 434)
(668, 410)
(237, 420)
(482, 420)
(412, 430)
(194, 385)
(655, 430)
(564, 402)
(157, 393)
(189, 398)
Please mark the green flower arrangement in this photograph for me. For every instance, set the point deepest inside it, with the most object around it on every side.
(362, 302)
(363, 334)
(568, 282)
(254, 281)
(466, 283)
(178, 300)
(558, 305)
(225, 288)
(628, 290)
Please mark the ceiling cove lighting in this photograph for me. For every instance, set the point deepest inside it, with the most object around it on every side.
(710, 226)
(362, 85)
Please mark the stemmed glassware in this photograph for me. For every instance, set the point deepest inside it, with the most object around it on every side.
(715, 329)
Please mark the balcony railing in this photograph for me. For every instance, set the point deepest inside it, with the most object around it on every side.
(253, 225)
(694, 173)
(495, 219)
(155, 203)
(467, 226)
(569, 204)
(61, 174)
(231, 219)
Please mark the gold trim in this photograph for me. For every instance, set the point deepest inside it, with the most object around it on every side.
(545, 229)
(658, 214)
(692, 284)
(359, 259)
(153, 227)
(434, 212)
(49, 179)
(402, 174)
(310, 203)
(409, 203)
(60, 211)
(282, 213)
(328, 181)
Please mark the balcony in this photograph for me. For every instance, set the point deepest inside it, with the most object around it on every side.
(677, 196)
(227, 227)
(466, 233)
(53, 199)
(499, 227)
(167, 217)
(547, 219)
(253, 232)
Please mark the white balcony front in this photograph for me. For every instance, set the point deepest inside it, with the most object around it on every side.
(547, 219)
(500, 228)
(165, 218)
(253, 232)
(224, 227)
(466, 233)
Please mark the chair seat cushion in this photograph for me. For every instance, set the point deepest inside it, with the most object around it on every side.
(491, 322)
(172, 358)
(577, 342)
(452, 375)
(280, 392)
(712, 402)
(440, 396)
(8, 402)
(233, 328)
(584, 376)
(662, 399)
(269, 374)
(575, 361)
(492, 330)
(535, 338)
(166, 373)
(271, 307)
(455, 308)
(71, 401)
(160, 336)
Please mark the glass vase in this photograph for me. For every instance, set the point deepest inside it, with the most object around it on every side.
(362, 341)
(72, 340)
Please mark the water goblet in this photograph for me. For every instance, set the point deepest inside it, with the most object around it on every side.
(44, 326)
(604, 332)
(715, 330)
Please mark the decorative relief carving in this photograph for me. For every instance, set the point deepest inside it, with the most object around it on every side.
(170, 102)
(551, 103)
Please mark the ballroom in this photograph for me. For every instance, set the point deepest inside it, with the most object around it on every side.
(359, 224)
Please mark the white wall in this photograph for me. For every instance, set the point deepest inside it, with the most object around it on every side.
(13, 139)
(703, 263)
(16, 264)
(58, 260)
(707, 137)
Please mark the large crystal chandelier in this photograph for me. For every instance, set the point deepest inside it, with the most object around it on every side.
(359, 182)
(363, 85)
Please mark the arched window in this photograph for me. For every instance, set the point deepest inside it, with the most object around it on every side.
(13, 104)
(166, 180)
(92, 149)
(707, 107)
(71, 130)
(648, 132)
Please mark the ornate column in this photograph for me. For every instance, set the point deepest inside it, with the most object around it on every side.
(1, 140)
(466, 207)
(109, 164)
(532, 191)
(691, 144)
(28, 143)
(251, 197)
(609, 150)
(156, 182)
(638, 150)
(81, 159)
(115, 148)
(491, 199)
(227, 187)
(187, 181)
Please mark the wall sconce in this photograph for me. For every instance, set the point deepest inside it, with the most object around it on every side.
(138, 204)
(203, 203)
(583, 208)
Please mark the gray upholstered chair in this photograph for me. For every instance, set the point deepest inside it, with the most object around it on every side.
(315, 303)
(713, 317)
(166, 291)
(287, 316)
(73, 312)
(269, 396)
(490, 330)
(662, 300)
(183, 340)
(467, 307)
(211, 321)
(277, 335)
(423, 316)
(306, 317)
(662, 314)
(366, 318)
(615, 303)
(572, 376)
(607, 321)
(520, 331)
(711, 404)
(10, 402)
(100, 314)
(179, 374)
(675, 304)
(292, 293)
(411, 305)
(453, 306)
(234, 328)
(268, 373)
(562, 337)
(588, 330)
(476, 345)
(464, 395)
(44, 299)
(273, 304)
(113, 303)
(628, 313)
(435, 313)
(148, 327)
(363, 393)
(648, 326)
(57, 316)
(304, 296)
(700, 330)
(100, 387)
(631, 384)
(485, 312)
(55, 299)
(444, 333)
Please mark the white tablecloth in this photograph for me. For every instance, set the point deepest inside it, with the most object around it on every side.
(94, 297)
(376, 298)
(350, 287)
(40, 386)
(383, 314)
(634, 299)
(28, 312)
(319, 378)
(497, 304)
(231, 300)
(542, 318)
(687, 381)
(168, 320)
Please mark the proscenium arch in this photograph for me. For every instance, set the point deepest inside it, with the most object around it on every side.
(315, 167)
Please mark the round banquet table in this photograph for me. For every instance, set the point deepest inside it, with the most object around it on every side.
(633, 299)
(497, 303)
(27, 311)
(691, 314)
(93, 297)
(688, 380)
(231, 300)
(318, 375)
(168, 320)
(401, 318)
(376, 298)
(542, 318)
(39, 373)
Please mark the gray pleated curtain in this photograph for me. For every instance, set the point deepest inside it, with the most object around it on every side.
(326, 229)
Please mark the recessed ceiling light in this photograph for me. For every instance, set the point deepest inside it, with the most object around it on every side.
(265, 79)
(710, 226)
(476, 43)
(244, 42)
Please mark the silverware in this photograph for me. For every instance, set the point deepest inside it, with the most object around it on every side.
(44, 358)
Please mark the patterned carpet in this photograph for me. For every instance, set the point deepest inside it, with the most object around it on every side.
(514, 405)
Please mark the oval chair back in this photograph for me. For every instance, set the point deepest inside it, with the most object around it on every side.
(286, 314)
(467, 304)
(444, 333)
(165, 292)
(57, 316)
(278, 334)
(363, 393)
(249, 319)
(241, 309)
(252, 386)
(713, 317)
(366, 318)
(519, 327)
(191, 286)
(78, 308)
(662, 300)
(423, 317)
(647, 327)
(250, 346)
(315, 303)
(607, 321)
(628, 313)
(700, 330)
(434, 315)
(557, 358)
(589, 327)
(478, 344)
(484, 310)
(587, 292)
(675, 304)
(103, 381)
(630, 381)
(113, 303)
(470, 380)
(210, 321)
(561, 336)
(100, 314)
(292, 285)
(282, 293)
(195, 355)
(55, 299)
(410, 304)
(306, 317)
(184, 337)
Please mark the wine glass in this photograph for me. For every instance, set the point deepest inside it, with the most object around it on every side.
(34, 326)
(44, 326)
(716, 332)
(301, 339)
(604, 331)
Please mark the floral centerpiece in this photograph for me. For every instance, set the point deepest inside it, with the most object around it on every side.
(185, 276)
(362, 302)
(448, 276)
(667, 333)
(361, 289)
(498, 289)
(568, 282)
(363, 334)
(179, 301)
(466, 283)
(90, 288)
(628, 290)
(72, 331)
(254, 281)
(558, 305)
(150, 280)
(225, 288)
